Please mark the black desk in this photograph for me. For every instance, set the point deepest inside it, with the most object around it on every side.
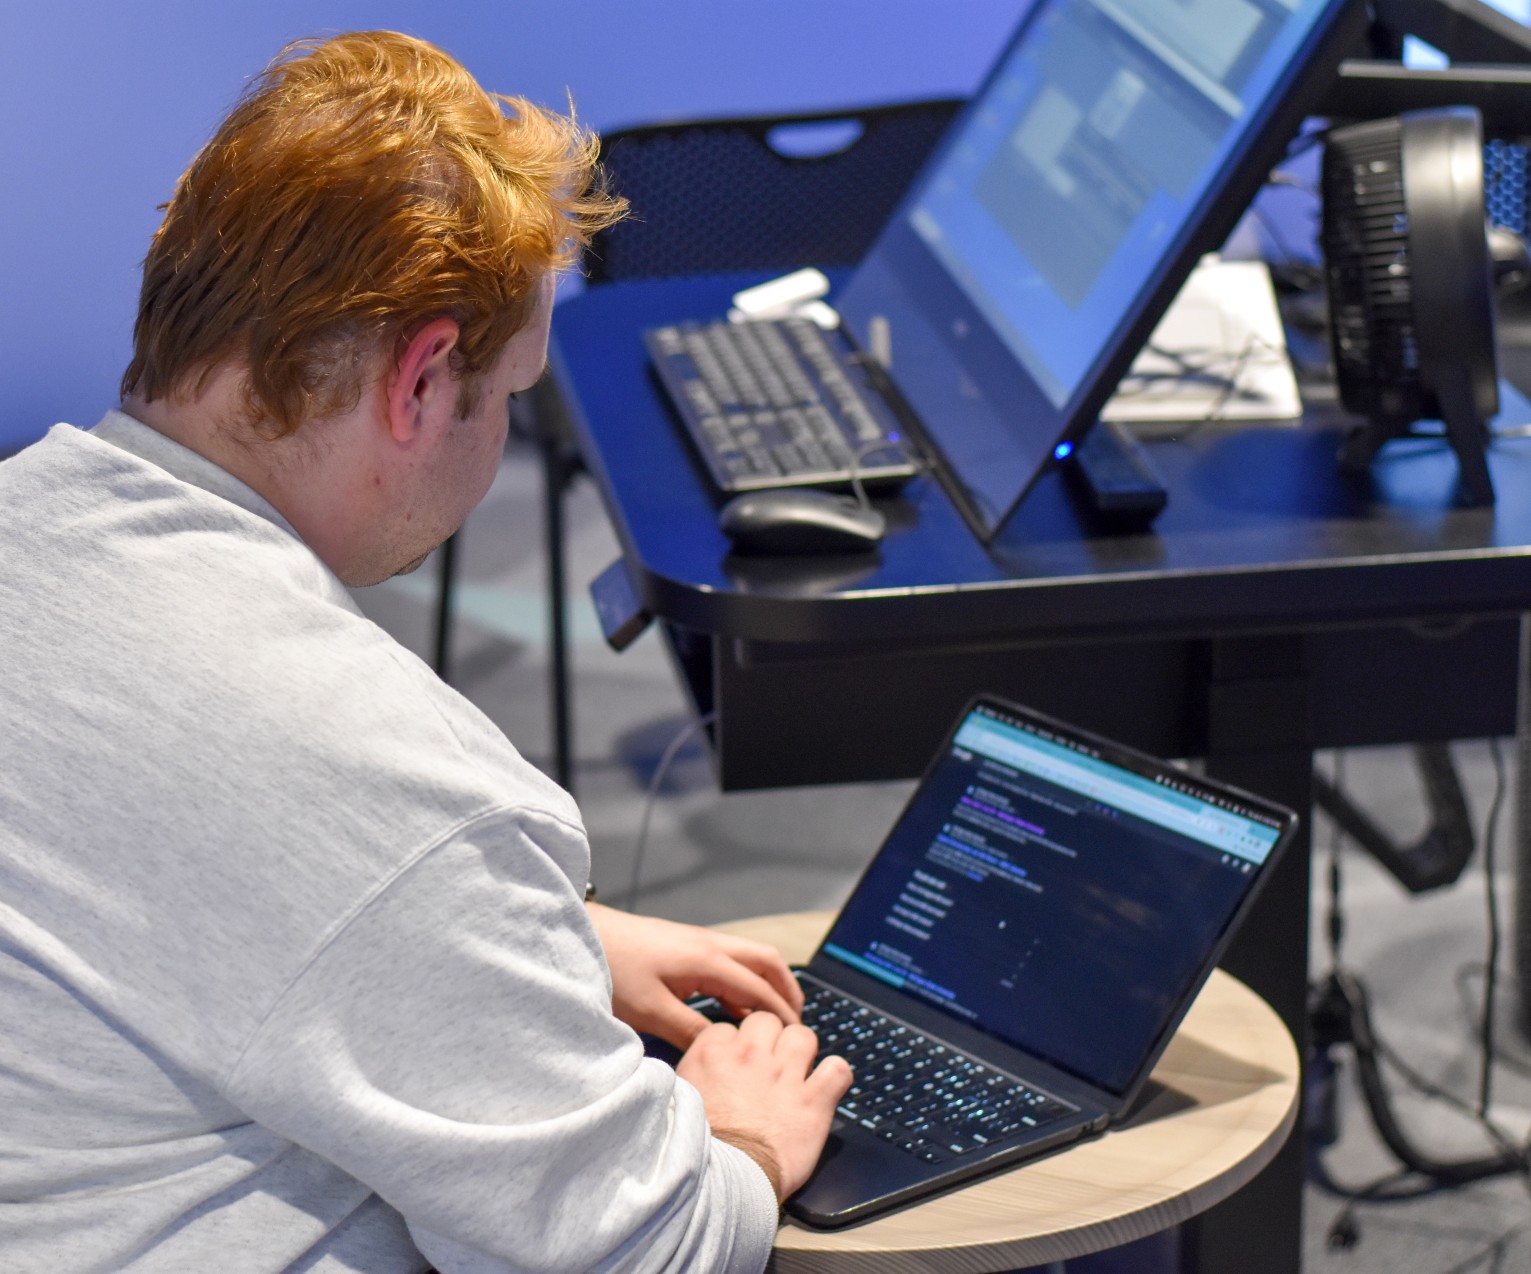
(1275, 609)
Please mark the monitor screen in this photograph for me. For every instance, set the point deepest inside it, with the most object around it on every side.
(1084, 174)
(1052, 894)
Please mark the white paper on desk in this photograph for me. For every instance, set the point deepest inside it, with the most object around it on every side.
(1219, 353)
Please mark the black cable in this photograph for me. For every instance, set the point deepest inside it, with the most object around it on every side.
(1491, 900)
(1370, 1049)
(1188, 368)
(1305, 142)
(1369, 1053)
(1471, 1005)
(1344, 1233)
(1345, 1230)
(1387, 1188)
(1289, 257)
(1434, 1091)
(1327, 1022)
(1342, 1012)
(1335, 929)
(1494, 1252)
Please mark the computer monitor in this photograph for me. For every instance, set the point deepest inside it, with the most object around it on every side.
(1114, 143)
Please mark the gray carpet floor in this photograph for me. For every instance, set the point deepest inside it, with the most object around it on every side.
(714, 856)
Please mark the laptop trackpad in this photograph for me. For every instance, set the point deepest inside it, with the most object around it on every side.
(857, 1176)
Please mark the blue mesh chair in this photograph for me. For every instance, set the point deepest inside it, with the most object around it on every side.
(763, 193)
(760, 193)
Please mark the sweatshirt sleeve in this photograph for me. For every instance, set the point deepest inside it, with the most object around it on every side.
(452, 1046)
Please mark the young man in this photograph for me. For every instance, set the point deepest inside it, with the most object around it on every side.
(295, 966)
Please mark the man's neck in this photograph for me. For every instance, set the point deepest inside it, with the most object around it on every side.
(210, 424)
(313, 485)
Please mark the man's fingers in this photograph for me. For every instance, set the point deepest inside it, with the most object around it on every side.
(830, 1078)
(767, 961)
(743, 990)
(797, 1047)
(762, 1029)
(675, 1023)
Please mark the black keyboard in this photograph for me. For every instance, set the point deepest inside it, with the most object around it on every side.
(924, 1097)
(778, 403)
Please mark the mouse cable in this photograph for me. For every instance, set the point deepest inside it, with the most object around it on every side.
(635, 884)
(901, 445)
(905, 442)
(859, 454)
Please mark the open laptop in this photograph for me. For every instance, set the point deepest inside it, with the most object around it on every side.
(1113, 144)
(1019, 952)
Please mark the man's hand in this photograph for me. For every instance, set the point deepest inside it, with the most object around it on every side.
(761, 1096)
(656, 965)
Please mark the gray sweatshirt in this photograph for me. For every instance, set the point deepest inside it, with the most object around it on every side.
(295, 971)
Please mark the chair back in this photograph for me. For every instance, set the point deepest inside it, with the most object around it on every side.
(760, 193)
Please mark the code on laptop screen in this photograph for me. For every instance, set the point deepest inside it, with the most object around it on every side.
(1051, 897)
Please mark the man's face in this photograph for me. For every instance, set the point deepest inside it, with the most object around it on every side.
(466, 457)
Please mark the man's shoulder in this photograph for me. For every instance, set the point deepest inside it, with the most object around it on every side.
(61, 453)
(226, 673)
(120, 495)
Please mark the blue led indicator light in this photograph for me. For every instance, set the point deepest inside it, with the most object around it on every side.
(1063, 450)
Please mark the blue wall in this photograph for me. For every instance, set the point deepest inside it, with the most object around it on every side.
(104, 101)
(103, 104)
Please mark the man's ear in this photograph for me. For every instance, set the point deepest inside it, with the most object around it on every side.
(421, 382)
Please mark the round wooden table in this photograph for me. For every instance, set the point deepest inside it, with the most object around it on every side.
(1221, 1102)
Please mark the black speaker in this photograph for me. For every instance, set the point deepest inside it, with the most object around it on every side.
(1410, 282)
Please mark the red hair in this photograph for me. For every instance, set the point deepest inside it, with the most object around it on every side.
(362, 186)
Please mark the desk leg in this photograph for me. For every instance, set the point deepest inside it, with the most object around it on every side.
(1257, 737)
(556, 475)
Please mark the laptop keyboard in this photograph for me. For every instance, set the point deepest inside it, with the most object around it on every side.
(772, 403)
(921, 1096)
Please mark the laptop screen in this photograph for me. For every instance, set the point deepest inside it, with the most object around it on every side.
(1083, 176)
(1051, 893)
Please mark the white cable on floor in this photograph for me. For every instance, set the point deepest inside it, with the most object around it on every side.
(674, 746)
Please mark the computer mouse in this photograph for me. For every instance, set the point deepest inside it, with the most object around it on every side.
(796, 520)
